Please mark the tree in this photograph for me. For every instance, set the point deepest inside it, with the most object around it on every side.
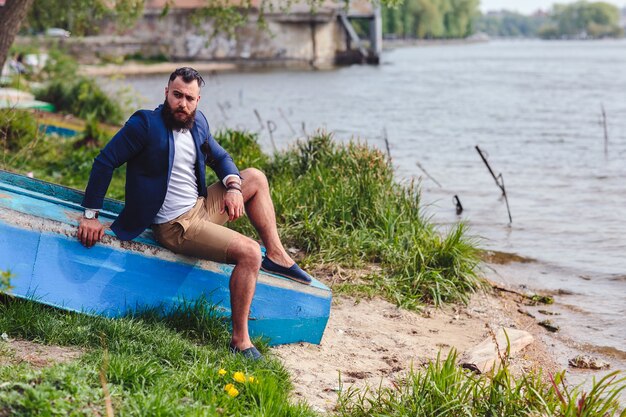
(430, 18)
(75, 12)
(11, 16)
(81, 16)
(585, 19)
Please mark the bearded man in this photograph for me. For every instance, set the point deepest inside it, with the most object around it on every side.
(166, 151)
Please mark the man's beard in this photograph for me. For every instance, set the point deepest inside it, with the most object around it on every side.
(175, 124)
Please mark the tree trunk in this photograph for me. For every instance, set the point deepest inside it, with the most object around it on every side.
(11, 16)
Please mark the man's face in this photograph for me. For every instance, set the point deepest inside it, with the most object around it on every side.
(182, 99)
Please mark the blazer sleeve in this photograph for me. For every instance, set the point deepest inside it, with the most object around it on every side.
(126, 143)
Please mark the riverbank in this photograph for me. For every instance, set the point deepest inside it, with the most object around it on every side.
(137, 68)
(390, 44)
(373, 343)
(367, 343)
(578, 328)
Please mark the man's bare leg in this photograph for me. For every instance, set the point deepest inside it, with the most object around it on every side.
(260, 211)
(245, 253)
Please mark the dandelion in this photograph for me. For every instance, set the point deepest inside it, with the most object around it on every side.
(222, 372)
(251, 379)
(233, 392)
(228, 387)
(239, 377)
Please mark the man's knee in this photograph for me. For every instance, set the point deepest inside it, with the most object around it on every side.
(245, 250)
(255, 177)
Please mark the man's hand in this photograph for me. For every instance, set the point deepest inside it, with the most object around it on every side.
(90, 231)
(233, 205)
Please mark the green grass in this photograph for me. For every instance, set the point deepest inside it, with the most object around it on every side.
(338, 203)
(153, 365)
(444, 389)
(156, 365)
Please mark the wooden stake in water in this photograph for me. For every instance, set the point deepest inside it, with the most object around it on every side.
(221, 107)
(427, 174)
(271, 127)
(606, 132)
(286, 120)
(387, 144)
(459, 206)
(498, 179)
(258, 117)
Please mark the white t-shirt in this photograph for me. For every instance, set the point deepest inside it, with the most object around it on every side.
(182, 190)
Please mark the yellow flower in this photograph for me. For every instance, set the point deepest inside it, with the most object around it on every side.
(233, 392)
(222, 372)
(251, 379)
(228, 387)
(239, 377)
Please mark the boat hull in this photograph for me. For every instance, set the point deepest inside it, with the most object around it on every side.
(113, 278)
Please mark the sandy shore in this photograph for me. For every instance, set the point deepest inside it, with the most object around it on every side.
(134, 68)
(369, 342)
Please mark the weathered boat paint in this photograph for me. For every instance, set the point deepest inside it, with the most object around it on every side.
(37, 243)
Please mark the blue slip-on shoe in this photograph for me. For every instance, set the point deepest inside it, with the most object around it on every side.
(250, 353)
(294, 273)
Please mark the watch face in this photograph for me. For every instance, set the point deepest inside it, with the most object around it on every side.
(90, 214)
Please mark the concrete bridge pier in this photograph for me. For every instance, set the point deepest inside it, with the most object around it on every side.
(358, 50)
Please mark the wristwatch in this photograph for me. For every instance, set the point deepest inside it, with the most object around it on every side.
(90, 214)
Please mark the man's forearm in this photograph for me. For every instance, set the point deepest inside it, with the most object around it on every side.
(98, 184)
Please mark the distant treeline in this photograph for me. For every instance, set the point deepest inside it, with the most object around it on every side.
(430, 19)
(437, 19)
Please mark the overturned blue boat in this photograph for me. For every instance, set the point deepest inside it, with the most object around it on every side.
(38, 222)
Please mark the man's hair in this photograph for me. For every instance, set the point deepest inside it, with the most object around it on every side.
(188, 74)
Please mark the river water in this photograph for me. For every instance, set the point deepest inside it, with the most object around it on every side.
(534, 107)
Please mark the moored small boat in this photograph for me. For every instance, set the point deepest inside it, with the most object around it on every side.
(38, 245)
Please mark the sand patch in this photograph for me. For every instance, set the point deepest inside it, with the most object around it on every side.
(372, 342)
(37, 355)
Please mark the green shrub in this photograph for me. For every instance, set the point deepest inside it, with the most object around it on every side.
(74, 94)
(18, 128)
(19, 136)
(81, 97)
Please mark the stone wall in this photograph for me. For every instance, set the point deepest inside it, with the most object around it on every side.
(289, 39)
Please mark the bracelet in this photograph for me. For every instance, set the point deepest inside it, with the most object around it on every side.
(234, 186)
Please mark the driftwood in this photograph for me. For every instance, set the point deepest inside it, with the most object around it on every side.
(499, 179)
(494, 350)
(534, 299)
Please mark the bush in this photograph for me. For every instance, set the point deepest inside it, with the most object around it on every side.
(18, 128)
(59, 160)
(78, 95)
(83, 98)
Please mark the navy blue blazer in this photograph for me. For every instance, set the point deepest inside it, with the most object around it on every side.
(146, 145)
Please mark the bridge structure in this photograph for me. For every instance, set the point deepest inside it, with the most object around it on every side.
(345, 31)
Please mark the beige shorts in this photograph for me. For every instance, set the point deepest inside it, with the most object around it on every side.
(199, 232)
